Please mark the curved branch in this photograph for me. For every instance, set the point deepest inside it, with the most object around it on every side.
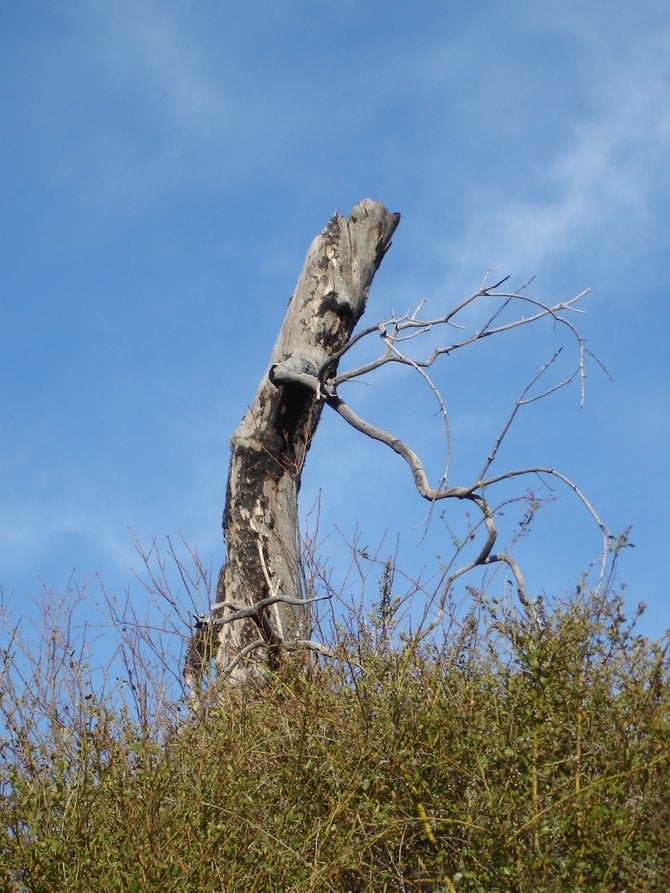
(440, 402)
(419, 474)
(485, 556)
(553, 472)
(253, 610)
(297, 645)
(241, 654)
(397, 445)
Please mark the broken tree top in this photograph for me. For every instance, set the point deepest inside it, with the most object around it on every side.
(268, 449)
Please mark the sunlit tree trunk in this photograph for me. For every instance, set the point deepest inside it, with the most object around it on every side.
(268, 450)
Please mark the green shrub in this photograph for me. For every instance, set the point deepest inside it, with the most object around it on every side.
(512, 756)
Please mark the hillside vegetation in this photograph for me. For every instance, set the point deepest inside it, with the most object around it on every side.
(508, 757)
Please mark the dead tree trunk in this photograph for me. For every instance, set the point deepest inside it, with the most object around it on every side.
(261, 610)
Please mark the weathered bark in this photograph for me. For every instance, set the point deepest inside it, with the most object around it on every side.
(268, 450)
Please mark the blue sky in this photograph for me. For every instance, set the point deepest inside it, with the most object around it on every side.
(165, 166)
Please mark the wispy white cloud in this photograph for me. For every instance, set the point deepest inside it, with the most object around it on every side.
(609, 176)
(566, 174)
(30, 531)
(160, 67)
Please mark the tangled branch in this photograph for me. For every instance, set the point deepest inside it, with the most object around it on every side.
(394, 334)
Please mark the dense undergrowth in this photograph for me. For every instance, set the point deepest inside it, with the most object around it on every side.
(509, 757)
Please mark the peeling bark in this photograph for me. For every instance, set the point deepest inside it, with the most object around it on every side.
(268, 450)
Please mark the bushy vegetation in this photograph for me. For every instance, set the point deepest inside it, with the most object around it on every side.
(510, 756)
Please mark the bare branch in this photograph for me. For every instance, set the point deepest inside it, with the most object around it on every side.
(257, 607)
(396, 332)
(438, 397)
(419, 474)
(426, 325)
(522, 400)
(297, 645)
(228, 668)
(397, 445)
(311, 645)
